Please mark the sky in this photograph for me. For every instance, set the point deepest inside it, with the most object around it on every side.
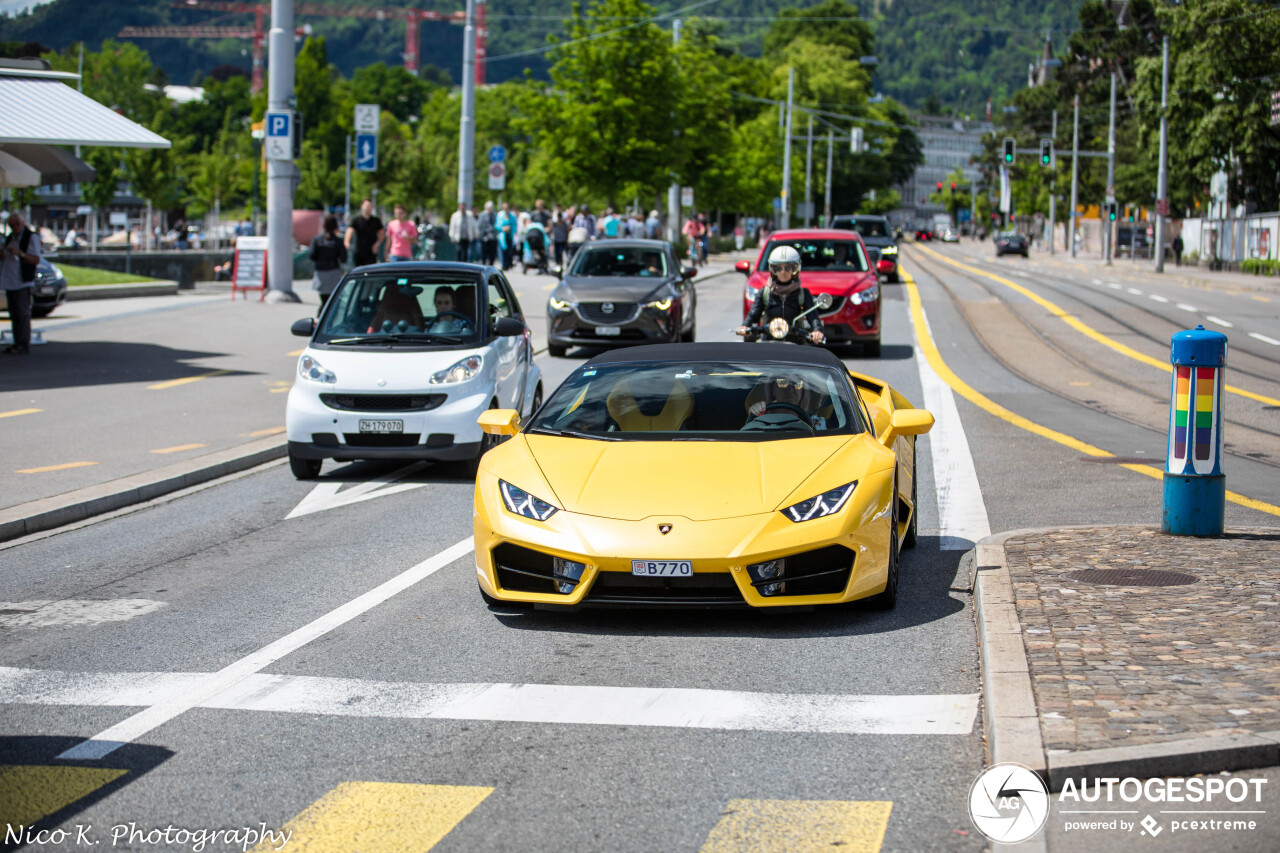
(10, 7)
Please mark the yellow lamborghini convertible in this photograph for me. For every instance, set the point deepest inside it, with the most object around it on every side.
(701, 475)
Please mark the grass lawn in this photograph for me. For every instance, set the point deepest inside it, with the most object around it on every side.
(80, 276)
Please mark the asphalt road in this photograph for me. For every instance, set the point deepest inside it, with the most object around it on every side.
(335, 673)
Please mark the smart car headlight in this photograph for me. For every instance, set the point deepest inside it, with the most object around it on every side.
(820, 506)
(460, 372)
(522, 503)
(309, 368)
(660, 304)
(560, 304)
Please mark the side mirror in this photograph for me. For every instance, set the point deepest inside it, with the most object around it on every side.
(304, 328)
(499, 421)
(688, 272)
(743, 267)
(824, 300)
(508, 327)
(908, 422)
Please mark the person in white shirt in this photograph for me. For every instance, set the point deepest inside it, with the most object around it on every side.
(463, 228)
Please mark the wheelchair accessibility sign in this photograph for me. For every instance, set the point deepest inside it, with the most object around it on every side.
(279, 141)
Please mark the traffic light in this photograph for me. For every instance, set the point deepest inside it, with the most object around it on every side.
(1046, 152)
(953, 186)
(939, 186)
(1111, 211)
(1008, 150)
(1130, 211)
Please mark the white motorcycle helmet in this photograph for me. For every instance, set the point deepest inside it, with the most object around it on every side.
(784, 258)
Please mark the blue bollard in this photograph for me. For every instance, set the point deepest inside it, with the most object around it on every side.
(1195, 489)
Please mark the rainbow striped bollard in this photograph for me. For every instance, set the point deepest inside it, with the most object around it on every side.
(1195, 489)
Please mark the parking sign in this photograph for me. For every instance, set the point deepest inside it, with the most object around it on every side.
(279, 141)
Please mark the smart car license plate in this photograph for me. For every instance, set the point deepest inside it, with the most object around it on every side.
(381, 426)
(608, 331)
(662, 568)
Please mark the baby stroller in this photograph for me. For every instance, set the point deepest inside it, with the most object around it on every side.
(535, 249)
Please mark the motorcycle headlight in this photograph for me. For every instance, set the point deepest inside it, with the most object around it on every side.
(871, 294)
(889, 250)
(660, 304)
(778, 328)
(560, 304)
(309, 368)
(460, 372)
(522, 503)
(820, 506)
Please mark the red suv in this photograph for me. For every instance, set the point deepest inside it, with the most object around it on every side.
(835, 262)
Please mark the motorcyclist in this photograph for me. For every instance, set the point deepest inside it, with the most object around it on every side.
(784, 296)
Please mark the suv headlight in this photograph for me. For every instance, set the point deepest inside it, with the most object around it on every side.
(660, 304)
(560, 304)
(522, 503)
(820, 506)
(466, 369)
(751, 293)
(871, 294)
(309, 368)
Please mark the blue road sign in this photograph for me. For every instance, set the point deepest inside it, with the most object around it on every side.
(366, 152)
(497, 154)
(278, 124)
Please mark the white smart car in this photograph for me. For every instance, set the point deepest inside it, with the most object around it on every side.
(403, 359)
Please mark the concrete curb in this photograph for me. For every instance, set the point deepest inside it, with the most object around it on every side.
(118, 291)
(1012, 723)
(48, 513)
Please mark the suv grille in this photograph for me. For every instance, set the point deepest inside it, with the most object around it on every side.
(382, 402)
(593, 312)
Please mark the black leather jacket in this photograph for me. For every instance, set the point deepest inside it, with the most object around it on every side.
(787, 307)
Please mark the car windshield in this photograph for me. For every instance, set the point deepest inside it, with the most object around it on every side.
(825, 255)
(410, 309)
(619, 261)
(865, 227)
(707, 401)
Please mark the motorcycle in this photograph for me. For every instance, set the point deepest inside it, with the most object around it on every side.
(778, 329)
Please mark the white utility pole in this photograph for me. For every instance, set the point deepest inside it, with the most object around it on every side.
(1053, 186)
(1107, 236)
(808, 179)
(467, 127)
(826, 206)
(1162, 180)
(673, 191)
(784, 219)
(281, 173)
(1075, 162)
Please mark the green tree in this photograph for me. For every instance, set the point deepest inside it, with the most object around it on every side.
(220, 176)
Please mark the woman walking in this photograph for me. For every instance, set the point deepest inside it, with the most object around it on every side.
(328, 253)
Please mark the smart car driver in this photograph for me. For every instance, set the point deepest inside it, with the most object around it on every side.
(784, 296)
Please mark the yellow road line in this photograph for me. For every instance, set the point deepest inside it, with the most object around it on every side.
(390, 817)
(1086, 330)
(296, 352)
(983, 402)
(1259, 298)
(799, 826)
(17, 412)
(179, 448)
(64, 466)
(187, 380)
(262, 432)
(29, 793)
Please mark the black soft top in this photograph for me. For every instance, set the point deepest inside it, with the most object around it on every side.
(763, 353)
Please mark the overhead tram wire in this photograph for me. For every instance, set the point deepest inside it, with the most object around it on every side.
(548, 48)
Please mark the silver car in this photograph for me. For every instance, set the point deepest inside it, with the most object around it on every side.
(619, 292)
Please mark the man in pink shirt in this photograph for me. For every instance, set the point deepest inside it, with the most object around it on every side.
(403, 235)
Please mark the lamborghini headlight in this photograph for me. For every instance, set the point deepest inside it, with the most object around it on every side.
(522, 503)
(820, 506)
(460, 372)
(309, 368)
(661, 304)
(560, 304)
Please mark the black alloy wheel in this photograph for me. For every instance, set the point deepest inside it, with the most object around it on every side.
(304, 469)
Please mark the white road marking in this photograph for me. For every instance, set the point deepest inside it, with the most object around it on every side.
(1098, 281)
(1158, 298)
(161, 712)
(328, 495)
(48, 613)
(962, 515)
(1113, 285)
(1133, 290)
(1264, 339)
(1219, 321)
(1185, 307)
(560, 704)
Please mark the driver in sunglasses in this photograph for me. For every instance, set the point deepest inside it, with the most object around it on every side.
(784, 296)
(787, 398)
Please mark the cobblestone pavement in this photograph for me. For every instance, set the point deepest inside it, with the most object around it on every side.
(1122, 665)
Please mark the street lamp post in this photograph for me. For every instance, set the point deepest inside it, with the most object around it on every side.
(280, 173)
(1107, 235)
(1162, 181)
(784, 218)
(1075, 162)
(467, 128)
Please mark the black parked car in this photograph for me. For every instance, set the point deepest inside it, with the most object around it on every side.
(50, 289)
(1012, 243)
(622, 292)
(878, 236)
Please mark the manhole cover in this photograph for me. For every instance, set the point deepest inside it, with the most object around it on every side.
(1132, 577)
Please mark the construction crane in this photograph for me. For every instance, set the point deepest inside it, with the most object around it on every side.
(412, 18)
(211, 32)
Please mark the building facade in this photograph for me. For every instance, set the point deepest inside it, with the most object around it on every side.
(948, 144)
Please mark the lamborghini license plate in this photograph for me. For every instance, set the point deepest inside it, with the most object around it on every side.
(662, 568)
(381, 427)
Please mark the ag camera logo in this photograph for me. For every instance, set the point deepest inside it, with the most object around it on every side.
(1008, 803)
